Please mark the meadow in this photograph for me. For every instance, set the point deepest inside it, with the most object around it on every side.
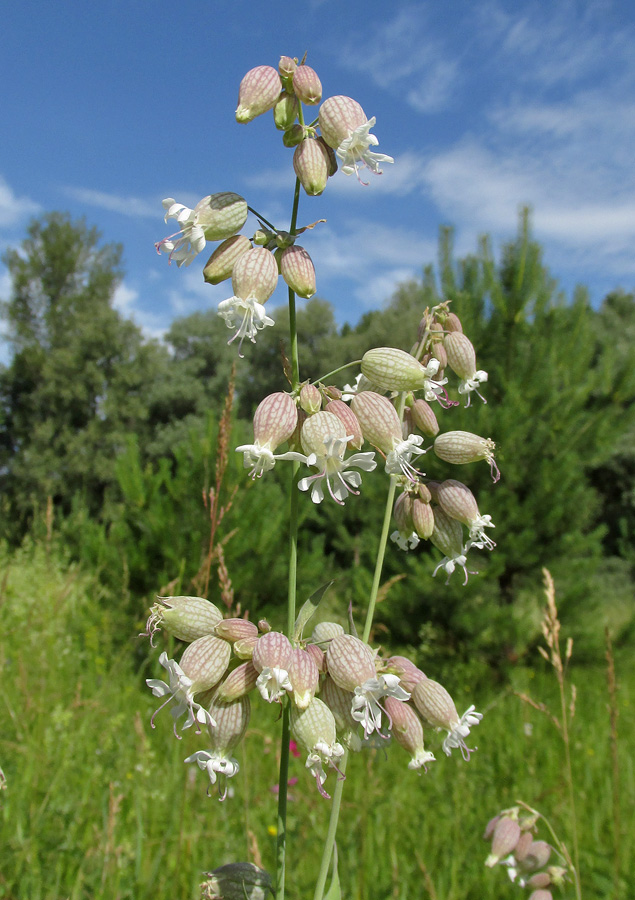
(98, 805)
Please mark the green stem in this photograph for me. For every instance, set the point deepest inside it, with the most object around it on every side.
(262, 218)
(355, 362)
(281, 849)
(330, 836)
(339, 787)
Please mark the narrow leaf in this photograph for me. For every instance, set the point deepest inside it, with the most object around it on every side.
(309, 609)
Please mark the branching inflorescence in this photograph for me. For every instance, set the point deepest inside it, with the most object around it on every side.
(334, 689)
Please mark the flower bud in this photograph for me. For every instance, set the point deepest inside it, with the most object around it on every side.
(285, 111)
(330, 155)
(293, 136)
(462, 447)
(304, 677)
(452, 323)
(307, 85)
(506, 835)
(537, 856)
(221, 263)
(350, 662)
(255, 275)
(407, 730)
(457, 501)
(339, 702)
(539, 880)
(244, 648)
(326, 631)
(489, 828)
(236, 629)
(259, 90)
(237, 881)
(423, 519)
(297, 269)
(311, 164)
(272, 649)
(287, 66)
(319, 657)
(205, 661)
(378, 420)
(232, 719)
(350, 421)
(275, 420)
(392, 369)
(310, 399)
(221, 215)
(524, 843)
(186, 618)
(319, 428)
(461, 356)
(439, 352)
(338, 117)
(240, 682)
(408, 673)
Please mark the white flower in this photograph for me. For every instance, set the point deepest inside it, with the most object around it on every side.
(365, 707)
(355, 150)
(478, 538)
(272, 683)
(471, 384)
(262, 459)
(191, 236)
(334, 469)
(179, 689)
(405, 541)
(456, 737)
(216, 764)
(254, 318)
(449, 564)
(323, 754)
(398, 460)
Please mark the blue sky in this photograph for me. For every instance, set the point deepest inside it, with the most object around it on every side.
(108, 108)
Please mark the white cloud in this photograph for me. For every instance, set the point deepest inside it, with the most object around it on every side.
(13, 209)
(124, 205)
(402, 54)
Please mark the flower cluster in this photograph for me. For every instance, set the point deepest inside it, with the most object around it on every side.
(526, 859)
(340, 690)
(341, 132)
(325, 428)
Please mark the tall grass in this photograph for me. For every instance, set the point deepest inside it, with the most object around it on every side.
(99, 806)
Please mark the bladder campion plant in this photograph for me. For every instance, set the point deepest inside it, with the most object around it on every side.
(334, 690)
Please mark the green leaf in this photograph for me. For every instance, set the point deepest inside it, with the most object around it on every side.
(309, 609)
(334, 892)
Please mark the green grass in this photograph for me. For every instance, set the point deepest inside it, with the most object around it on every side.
(100, 806)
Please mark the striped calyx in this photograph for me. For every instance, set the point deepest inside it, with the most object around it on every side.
(304, 676)
(298, 271)
(407, 730)
(221, 215)
(272, 649)
(461, 355)
(462, 447)
(350, 662)
(339, 116)
(237, 881)
(275, 420)
(258, 92)
(205, 661)
(307, 85)
(378, 420)
(255, 275)
(350, 421)
(435, 704)
(187, 618)
(319, 428)
(393, 370)
(221, 263)
(240, 682)
(312, 165)
(236, 629)
(310, 399)
(457, 501)
(231, 720)
(506, 836)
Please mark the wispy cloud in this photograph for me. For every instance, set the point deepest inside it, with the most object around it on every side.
(13, 209)
(402, 54)
(124, 205)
